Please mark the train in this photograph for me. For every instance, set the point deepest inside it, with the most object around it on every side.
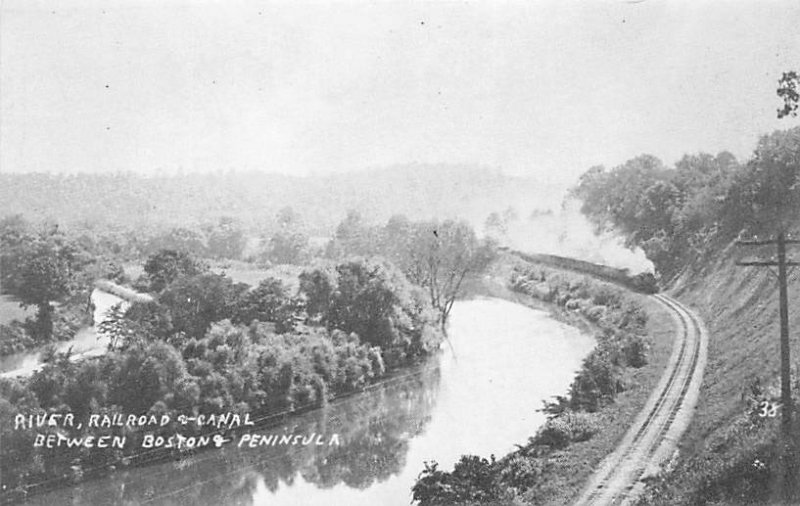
(644, 282)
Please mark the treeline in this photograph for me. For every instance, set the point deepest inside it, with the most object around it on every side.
(676, 214)
(283, 239)
(529, 473)
(131, 201)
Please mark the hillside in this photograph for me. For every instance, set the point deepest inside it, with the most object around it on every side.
(131, 200)
(728, 454)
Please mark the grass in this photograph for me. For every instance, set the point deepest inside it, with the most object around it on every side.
(243, 272)
(239, 272)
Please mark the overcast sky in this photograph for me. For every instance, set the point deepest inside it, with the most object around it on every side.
(543, 88)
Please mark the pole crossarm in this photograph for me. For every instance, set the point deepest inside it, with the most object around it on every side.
(759, 242)
(766, 264)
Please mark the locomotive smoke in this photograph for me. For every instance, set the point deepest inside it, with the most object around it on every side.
(565, 231)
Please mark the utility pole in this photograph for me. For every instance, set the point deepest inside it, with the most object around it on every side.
(786, 393)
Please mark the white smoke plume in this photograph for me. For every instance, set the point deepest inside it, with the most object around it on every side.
(564, 231)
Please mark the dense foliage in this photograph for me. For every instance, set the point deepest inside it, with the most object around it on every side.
(374, 300)
(676, 213)
(436, 255)
(168, 265)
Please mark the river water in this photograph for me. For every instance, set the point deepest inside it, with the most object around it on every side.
(480, 399)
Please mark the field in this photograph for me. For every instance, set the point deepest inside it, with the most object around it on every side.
(242, 272)
(239, 272)
(11, 310)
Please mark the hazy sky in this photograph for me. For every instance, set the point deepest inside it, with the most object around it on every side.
(544, 88)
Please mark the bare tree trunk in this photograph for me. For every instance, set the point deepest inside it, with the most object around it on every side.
(44, 319)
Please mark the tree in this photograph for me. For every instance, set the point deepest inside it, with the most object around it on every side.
(288, 218)
(495, 226)
(46, 274)
(395, 240)
(788, 87)
(137, 325)
(353, 237)
(372, 299)
(179, 239)
(115, 328)
(642, 200)
(15, 234)
(764, 198)
(289, 244)
(196, 302)
(268, 302)
(318, 286)
(226, 240)
(474, 480)
(442, 256)
(145, 375)
(288, 247)
(167, 265)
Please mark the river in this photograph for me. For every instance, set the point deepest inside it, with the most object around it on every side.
(480, 399)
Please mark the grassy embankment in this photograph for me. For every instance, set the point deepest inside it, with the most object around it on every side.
(727, 456)
(566, 470)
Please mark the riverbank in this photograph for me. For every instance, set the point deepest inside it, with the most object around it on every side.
(555, 475)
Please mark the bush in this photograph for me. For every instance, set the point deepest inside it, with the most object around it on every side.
(474, 480)
(635, 351)
(568, 427)
(555, 433)
(14, 338)
(606, 296)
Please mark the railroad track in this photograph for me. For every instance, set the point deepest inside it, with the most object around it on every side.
(652, 439)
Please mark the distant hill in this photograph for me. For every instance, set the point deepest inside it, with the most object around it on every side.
(131, 200)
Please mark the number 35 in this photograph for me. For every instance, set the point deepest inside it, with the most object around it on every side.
(768, 409)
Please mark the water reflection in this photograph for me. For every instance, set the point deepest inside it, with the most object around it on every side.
(375, 429)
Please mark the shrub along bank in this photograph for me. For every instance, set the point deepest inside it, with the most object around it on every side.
(633, 343)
